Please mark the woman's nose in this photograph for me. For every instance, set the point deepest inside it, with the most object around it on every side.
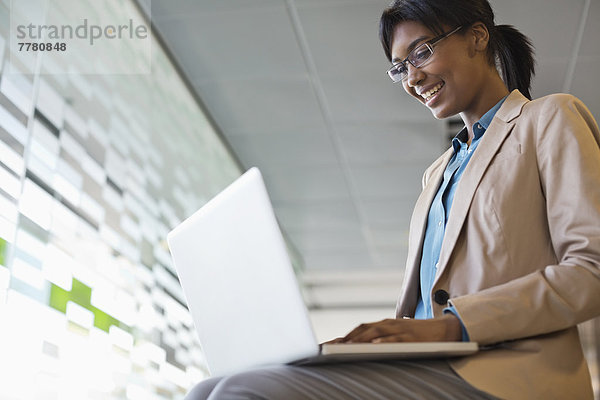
(414, 75)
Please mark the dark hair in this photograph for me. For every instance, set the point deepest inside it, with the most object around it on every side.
(509, 48)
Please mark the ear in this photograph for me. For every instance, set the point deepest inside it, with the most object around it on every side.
(480, 36)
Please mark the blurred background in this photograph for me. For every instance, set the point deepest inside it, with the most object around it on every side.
(102, 154)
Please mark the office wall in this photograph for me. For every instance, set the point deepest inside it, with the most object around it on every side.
(94, 171)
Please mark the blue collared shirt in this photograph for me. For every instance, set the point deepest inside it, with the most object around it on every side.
(440, 210)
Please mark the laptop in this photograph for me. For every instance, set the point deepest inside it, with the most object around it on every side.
(242, 292)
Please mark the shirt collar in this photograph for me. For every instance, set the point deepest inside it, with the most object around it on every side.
(479, 128)
(486, 120)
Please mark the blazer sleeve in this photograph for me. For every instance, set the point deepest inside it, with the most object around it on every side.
(562, 295)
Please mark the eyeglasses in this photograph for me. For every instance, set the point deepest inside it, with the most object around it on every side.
(416, 58)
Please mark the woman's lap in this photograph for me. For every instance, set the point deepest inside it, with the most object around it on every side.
(361, 380)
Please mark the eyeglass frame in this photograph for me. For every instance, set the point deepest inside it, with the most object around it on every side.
(429, 44)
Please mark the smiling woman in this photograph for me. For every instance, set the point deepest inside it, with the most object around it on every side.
(503, 246)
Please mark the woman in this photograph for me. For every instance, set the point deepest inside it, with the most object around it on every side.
(504, 245)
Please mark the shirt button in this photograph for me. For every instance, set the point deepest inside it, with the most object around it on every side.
(479, 126)
(440, 223)
(437, 265)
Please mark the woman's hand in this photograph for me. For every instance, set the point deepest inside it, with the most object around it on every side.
(441, 329)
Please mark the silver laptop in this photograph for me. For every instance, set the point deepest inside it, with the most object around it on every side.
(242, 293)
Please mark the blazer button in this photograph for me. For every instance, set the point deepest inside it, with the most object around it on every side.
(441, 297)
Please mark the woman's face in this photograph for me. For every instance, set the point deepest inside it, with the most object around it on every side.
(449, 82)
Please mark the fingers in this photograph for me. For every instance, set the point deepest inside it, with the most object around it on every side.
(334, 341)
(360, 329)
(358, 332)
(405, 330)
(368, 332)
(391, 339)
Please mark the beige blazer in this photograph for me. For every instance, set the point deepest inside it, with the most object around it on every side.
(520, 259)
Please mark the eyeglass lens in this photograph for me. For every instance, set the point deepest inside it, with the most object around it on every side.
(416, 57)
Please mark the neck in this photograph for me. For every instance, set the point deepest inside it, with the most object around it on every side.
(490, 94)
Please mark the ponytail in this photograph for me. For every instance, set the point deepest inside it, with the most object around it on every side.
(514, 53)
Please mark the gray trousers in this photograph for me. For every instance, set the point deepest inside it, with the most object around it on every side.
(357, 380)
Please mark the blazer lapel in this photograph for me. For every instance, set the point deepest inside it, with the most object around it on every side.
(495, 135)
(411, 287)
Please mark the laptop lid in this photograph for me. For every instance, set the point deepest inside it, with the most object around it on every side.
(239, 283)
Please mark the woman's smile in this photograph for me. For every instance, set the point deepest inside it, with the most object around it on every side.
(431, 94)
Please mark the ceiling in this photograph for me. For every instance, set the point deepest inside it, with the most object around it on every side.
(298, 88)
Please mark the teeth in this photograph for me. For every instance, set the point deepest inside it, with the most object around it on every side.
(431, 92)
